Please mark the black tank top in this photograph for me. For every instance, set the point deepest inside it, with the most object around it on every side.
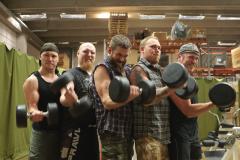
(45, 96)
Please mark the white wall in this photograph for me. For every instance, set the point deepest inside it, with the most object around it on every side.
(21, 43)
(7, 36)
(33, 51)
(17, 41)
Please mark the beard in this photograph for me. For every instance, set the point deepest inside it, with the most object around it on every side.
(87, 66)
(118, 65)
(190, 67)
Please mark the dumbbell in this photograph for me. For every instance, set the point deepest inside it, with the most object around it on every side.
(62, 82)
(119, 89)
(51, 115)
(223, 96)
(174, 76)
(82, 105)
(210, 143)
(189, 90)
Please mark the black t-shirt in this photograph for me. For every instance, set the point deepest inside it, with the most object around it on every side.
(82, 84)
(45, 96)
(180, 125)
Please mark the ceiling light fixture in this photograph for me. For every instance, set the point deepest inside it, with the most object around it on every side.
(63, 43)
(39, 30)
(103, 15)
(94, 42)
(144, 16)
(15, 23)
(31, 17)
(118, 14)
(220, 17)
(73, 16)
(190, 17)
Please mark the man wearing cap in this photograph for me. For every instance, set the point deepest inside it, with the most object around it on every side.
(185, 144)
(44, 143)
(79, 140)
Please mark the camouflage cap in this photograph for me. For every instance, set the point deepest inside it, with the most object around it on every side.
(189, 48)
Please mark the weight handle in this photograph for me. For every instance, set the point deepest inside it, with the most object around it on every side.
(140, 91)
(29, 114)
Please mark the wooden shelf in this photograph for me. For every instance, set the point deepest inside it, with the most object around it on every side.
(170, 46)
(200, 71)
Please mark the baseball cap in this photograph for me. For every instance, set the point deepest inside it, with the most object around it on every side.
(49, 47)
(189, 48)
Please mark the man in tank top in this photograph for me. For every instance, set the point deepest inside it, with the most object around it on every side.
(44, 143)
(79, 140)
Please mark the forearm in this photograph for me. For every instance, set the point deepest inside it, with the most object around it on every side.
(63, 100)
(109, 104)
(32, 107)
(189, 109)
(161, 93)
(198, 108)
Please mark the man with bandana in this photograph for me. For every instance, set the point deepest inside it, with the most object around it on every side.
(44, 143)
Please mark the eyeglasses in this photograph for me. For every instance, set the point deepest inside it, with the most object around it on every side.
(155, 47)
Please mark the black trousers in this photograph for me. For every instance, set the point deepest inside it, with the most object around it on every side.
(184, 149)
(80, 144)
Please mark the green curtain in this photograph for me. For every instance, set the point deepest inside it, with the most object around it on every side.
(206, 121)
(15, 67)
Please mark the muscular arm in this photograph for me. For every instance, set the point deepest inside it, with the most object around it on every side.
(160, 92)
(102, 81)
(30, 89)
(188, 109)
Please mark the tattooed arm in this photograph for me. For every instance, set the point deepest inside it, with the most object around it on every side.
(102, 81)
(161, 93)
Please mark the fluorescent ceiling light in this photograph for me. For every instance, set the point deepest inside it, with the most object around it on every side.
(95, 42)
(103, 15)
(188, 17)
(226, 44)
(73, 16)
(39, 30)
(220, 17)
(143, 16)
(64, 43)
(15, 23)
(118, 14)
(31, 17)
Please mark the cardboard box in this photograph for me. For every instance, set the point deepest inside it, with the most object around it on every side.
(162, 36)
(235, 57)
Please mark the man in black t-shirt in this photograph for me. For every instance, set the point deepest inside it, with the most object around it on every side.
(185, 144)
(79, 138)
